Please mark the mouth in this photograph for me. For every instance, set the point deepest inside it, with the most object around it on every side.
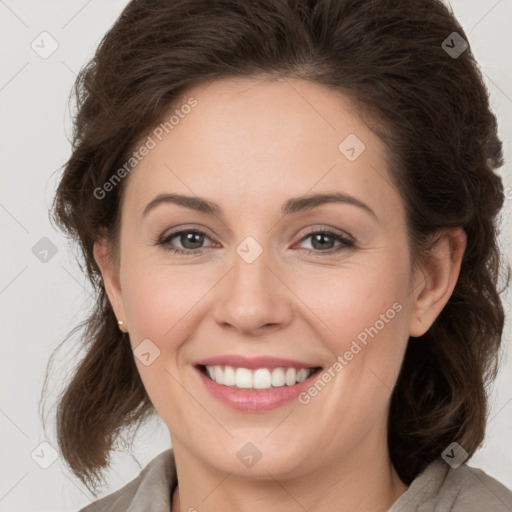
(259, 379)
(255, 390)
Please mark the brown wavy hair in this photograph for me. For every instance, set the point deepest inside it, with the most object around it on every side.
(432, 112)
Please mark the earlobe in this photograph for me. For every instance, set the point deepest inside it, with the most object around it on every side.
(437, 279)
(111, 278)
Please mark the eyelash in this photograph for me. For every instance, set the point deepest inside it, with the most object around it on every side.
(346, 243)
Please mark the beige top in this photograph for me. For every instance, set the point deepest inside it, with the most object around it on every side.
(439, 488)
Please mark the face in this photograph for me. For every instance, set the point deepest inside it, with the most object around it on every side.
(322, 286)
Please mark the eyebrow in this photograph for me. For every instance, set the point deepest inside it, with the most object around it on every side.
(293, 205)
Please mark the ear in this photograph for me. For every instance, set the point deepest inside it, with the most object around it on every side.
(110, 273)
(436, 280)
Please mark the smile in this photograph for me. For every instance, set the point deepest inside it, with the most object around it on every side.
(254, 385)
(259, 379)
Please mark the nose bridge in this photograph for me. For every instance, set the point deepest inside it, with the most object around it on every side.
(252, 296)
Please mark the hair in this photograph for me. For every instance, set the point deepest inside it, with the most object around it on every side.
(432, 112)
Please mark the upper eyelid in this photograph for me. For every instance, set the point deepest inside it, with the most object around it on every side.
(180, 230)
(336, 232)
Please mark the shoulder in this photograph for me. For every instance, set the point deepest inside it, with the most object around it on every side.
(149, 491)
(476, 491)
(464, 489)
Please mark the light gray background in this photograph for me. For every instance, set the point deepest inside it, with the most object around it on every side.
(41, 301)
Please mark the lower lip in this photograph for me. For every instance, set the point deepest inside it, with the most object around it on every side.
(255, 400)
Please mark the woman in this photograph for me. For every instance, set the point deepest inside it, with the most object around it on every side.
(288, 209)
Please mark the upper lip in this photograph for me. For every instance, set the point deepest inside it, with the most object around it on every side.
(238, 361)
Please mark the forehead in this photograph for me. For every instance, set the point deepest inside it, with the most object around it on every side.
(257, 139)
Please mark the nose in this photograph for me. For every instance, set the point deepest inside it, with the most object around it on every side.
(254, 298)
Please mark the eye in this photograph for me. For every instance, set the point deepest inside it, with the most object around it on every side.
(191, 241)
(322, 242)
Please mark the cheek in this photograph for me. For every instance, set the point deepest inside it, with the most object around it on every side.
(363, 324)
(362, 315)
(158, 298)
(161, 304)
(354, 299)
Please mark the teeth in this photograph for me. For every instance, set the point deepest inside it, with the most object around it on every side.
(217, 373)
(243, 377)
(229, 377)
(302, 375)
(290, 376)
(262, 378)
(278, 378)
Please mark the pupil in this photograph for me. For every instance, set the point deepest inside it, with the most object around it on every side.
(321, 237)
(189, 238)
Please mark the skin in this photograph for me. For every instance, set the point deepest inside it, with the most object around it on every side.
(249, 146)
